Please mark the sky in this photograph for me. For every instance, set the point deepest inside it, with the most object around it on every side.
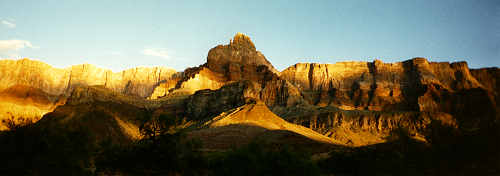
(178, 34)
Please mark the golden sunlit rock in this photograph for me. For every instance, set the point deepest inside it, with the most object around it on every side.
(136, 81)
(32, 88)
(351, 103)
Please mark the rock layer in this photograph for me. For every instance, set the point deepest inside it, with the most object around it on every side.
(231, 59)
(137, 81)
(410, 94)
(31, 88)
(377, 85)
(237, 61)
(357, 103)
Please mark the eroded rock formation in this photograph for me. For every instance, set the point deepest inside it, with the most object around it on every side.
(106, 115)
(32, 88)
(237, 61)
(138, 81)
(356, 103)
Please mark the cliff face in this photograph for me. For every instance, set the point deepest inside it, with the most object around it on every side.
(377, 85)
(137, 81)
(233, 58)
(356, 103)
(237, 61)
(413, 85)
(31, 88)
(358, 128)
(490, 79)
(383, 96)
(209, 103)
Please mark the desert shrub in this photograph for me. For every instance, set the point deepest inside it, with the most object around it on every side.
(262, 159)
(13, 123)
(163, 150)
(27, 150)
(474, 151)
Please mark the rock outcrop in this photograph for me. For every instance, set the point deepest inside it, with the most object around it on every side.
(410, 94)
(358, 128)
(254, 121)
(209, 103)
(490, 79)
(377, 85)
(100, 112)
(233, 58)
(237, 61)
(355, 103)
(32, 88)
(137, 81)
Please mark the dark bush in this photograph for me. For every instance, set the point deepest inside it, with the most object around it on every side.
(259, 158)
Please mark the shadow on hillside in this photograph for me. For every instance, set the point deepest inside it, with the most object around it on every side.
(236, 135)
(27, 150)
(449, 151)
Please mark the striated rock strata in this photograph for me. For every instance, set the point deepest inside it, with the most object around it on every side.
(237, 61)
(31, 88)
(355, 103)
(137, 81)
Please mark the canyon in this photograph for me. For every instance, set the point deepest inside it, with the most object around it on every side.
(345, 103)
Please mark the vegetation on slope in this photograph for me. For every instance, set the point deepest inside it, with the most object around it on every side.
(165, 150)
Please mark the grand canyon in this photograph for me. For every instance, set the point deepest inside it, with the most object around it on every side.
(340, 113)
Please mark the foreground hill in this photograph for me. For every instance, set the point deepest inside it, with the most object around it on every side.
(102, 113)
(254, 121)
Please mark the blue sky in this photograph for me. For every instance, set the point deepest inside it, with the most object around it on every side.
(178, 34)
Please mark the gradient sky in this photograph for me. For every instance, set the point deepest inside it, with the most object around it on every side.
(178, 34)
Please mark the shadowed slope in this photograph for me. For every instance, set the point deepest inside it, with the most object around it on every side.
(255, 121)
(103, 114)
(259, 115)
(26, 102)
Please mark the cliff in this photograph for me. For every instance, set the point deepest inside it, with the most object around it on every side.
(377, 85)
(372, 98)
(32, 88)
(355, 103)
(230, 59)
(137, 81)
(237, 61)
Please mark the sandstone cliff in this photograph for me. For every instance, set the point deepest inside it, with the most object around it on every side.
(377, 85)
(372, 98)
(32, 88)
(231, 59)
(356, 103)
(237, 61)
(137, 81)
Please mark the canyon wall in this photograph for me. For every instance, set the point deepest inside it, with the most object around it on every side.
(29, 89)
(377, 85)
(237, 61)
(138, 81)
(373, 98)
(358, 103)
